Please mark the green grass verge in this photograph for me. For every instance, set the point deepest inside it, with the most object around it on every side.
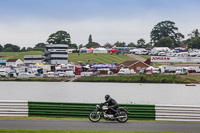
(73, 57)
(145, 56)
(64, 131)
(135, 79)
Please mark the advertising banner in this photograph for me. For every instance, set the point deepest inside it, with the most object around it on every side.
(174, 59)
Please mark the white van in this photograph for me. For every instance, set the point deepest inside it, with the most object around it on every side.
(50, 74)
(69, 74)
(3, 73)
(126, 72)
(181, 71)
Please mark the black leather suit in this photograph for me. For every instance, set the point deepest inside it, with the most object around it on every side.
(112, 104)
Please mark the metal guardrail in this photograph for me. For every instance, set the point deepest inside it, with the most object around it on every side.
(177, 112)
(13, 108)
(82, 110)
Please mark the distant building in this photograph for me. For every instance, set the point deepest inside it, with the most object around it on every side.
(33, 59)
(135, 65)
(14, 62)
(56, 54)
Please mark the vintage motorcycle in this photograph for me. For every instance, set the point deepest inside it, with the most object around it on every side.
(95, 116)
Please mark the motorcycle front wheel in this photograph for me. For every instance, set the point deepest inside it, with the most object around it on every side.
(94, 116)
(124, 116)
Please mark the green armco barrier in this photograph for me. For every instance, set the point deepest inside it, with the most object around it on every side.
(82, 110)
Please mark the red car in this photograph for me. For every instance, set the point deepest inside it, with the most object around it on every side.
(191, 71)
(113, 51)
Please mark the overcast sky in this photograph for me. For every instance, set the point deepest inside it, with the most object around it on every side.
(28, 22)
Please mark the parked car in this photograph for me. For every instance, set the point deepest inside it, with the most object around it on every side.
(32, 75)
(145, 52)
(181, 71)
(142, 71)
(162, 53)
(88, 73)
(96, 73)
(126, 72)
(23, 75)
(191, 70)
(61, 74)
(50, 74)
(113, 51)
(3, 74)
(69, 74)
(12, 75)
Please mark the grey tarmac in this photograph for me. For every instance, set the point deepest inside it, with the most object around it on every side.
(101, 126)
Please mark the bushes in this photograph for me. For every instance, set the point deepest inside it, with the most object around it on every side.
(134, 79)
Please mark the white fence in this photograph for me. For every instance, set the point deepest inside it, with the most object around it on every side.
(13, 108)
(174, 59)
(177, 113)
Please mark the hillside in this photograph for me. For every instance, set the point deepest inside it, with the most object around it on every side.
(18, 55)
(75, 57)
(98, 58)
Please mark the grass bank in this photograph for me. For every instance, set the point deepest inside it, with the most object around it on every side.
(18, 55)
(141, 79)
(98, 58)
(63, 131)
(73, 57)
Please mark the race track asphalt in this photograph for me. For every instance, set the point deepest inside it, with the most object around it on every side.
(101, 126)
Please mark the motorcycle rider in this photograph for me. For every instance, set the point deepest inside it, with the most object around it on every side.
(112, 104)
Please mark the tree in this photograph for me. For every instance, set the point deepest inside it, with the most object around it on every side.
(80, 46)
(141, 43)
(40, 45)
(131, 44)
(148, 45)
(120, 44)
(194, 43)
(164, 42)
(195, 33)
(11, 48)
(91, 43)
(166, 29)
(15, 48)
(7, 46)
(73, 46)
(90, 39)
(23, 49)
(29, 49)
(8, 49)
(1, 48)
(60, 37)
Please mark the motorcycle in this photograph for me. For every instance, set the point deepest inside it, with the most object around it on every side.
(95, 115)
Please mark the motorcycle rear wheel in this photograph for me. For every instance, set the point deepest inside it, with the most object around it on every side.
(123, 113)
(94, 116)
